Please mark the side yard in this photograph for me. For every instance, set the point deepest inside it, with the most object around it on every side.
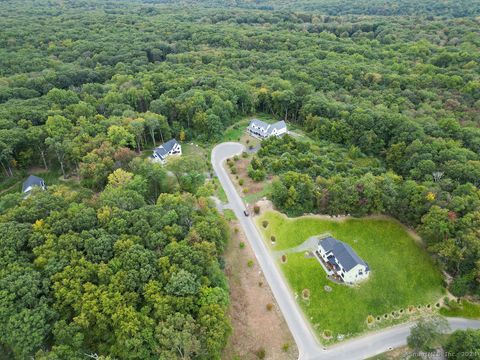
(403, 284)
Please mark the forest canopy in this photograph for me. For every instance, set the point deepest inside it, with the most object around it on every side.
(124, 257)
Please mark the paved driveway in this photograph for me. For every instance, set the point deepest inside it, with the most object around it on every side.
(359, 348)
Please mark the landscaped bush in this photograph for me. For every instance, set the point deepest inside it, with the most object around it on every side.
(241, 182)
(284, 258)
(256, 209)
(327, 334)
(233, 170)
(245, 190)
(265, 223)
(305, 294)
(236, 158)
(250, 263)
(370, 319)
(245, 154)
(242, 245)
(285, 347)
(269, 306)
(261, 353)
(273, 238)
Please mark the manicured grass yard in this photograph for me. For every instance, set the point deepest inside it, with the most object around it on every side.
(403, 274)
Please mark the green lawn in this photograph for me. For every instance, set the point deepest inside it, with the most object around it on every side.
(403, 273)
(466, 310)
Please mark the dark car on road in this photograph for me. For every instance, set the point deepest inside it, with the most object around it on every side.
(246, 212)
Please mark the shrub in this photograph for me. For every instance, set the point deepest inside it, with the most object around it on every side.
(462, 285)
(285, 347)
(240, 182)
(256, 175)
(236, 158)
(250, 263)
(265, 223)
(233, 170)
(245, 190)
(269, 306)
(260, 353)
(305, 294)
(370, 319)
(242, 245)
(256, 209)
(273, 238)
(245, 154)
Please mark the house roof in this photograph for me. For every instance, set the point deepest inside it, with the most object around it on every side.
(268, 128)
(165, 148)
(279, 125)
(32, 180)
(343, 252)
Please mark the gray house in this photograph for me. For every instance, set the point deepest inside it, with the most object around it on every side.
(32, 182)
(343, 260)
(171, 147)
(261, 129)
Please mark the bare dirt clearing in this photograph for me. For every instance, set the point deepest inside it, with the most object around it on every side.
(257, 322)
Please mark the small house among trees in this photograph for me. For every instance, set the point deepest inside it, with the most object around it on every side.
(31, 183)
(161, 153)
(262, 130)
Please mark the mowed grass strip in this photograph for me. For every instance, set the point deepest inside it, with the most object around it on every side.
(403, 273)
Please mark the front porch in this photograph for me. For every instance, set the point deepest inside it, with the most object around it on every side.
(329, 269)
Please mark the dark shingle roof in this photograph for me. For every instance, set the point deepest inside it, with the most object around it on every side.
(165, 148)
(344, 254)
(32, 180)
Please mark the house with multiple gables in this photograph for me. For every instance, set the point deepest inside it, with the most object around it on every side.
(342, 261)
(161, 153)
(31, 183)
(262, 130)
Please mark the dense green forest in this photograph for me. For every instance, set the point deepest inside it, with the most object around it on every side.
(126, 263)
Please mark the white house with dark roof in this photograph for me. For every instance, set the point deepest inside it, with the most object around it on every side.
(261, 129)
(31, 183)
(343, 260)
(161, 153)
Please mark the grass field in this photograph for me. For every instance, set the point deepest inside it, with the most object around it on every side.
(465, 309)
(402, 275)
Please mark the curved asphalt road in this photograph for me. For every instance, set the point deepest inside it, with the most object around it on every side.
(309, 349)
